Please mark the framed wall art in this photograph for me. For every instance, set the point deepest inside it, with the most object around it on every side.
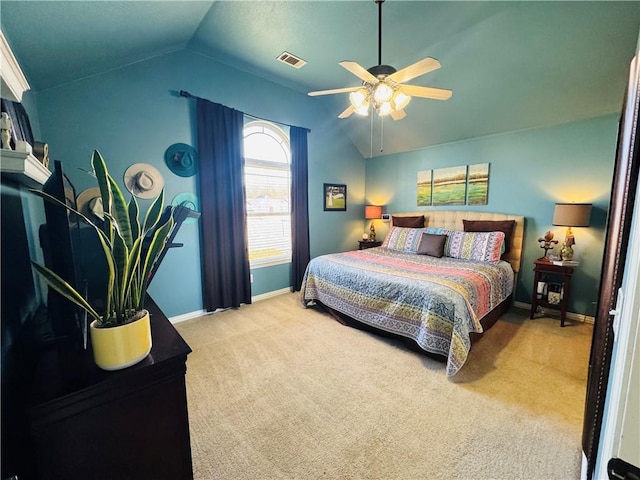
(478, 187)
(450, 186)
(335, 197)
(424, 188)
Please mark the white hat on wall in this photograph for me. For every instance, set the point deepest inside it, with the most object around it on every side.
(143, 180)
(89, 203)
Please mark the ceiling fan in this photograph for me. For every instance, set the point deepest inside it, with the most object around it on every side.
(383, 87)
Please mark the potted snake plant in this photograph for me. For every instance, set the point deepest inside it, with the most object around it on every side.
(121, 333)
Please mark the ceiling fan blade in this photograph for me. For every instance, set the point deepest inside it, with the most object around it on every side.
(426, 92)
(347, 112)
(359, 71)
(398, 114)
(335, 90)
(425, 65)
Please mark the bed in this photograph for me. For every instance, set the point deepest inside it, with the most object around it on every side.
(436, 305)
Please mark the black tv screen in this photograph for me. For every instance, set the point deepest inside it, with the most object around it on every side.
(57, 241)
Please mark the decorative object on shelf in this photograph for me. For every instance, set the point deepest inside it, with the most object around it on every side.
(20, 124)
(547, 242)
(129, 260)
(89, 203)
(335, 197)
(365, 237)
(181, 159)
(188, 200)
(554, 294)
(41, 152)
(5, 131)
(571, 215)
(143, 180)
(372, 212)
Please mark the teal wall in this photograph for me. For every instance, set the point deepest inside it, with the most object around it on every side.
(133, 114)
(529, 171)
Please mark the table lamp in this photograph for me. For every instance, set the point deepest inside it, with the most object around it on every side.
(571, 215)
(372, 212)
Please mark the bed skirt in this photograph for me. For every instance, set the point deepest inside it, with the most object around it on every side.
(487, 322)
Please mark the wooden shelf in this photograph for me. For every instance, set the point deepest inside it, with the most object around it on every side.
(23, 168)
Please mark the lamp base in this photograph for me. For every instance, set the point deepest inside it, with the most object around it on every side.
(372, 235)
(566, 252)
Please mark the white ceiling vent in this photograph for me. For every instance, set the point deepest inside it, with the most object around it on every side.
(291, 60)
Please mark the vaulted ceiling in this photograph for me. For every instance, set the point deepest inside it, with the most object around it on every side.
(511, 65)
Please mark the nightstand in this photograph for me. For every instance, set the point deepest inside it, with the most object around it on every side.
(363, 244)
(555, 288)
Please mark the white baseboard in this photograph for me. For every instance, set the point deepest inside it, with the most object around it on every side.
(583, 469)
(188, 316)
(275, 293)
(578, 317)
(200, 313)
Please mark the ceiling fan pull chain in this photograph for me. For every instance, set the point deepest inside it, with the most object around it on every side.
(371, 141)
(381, 134)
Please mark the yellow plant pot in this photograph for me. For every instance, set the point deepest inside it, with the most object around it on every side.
(115, 348)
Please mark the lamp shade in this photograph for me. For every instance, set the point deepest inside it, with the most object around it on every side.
(572, 214)
(372, 212)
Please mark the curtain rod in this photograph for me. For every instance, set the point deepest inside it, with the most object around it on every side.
(184, 93)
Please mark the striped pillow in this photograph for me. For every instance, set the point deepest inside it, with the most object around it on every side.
(476, 246)
(403, 239)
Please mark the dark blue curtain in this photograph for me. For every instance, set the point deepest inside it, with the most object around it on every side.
(225, 262)
(299, 206)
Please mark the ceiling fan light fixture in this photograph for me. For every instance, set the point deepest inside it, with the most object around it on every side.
(385, 108)
(358, 98)
(382, 92)
(362, 110)
(400, 100)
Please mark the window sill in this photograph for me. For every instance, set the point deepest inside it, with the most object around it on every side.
(268, 263)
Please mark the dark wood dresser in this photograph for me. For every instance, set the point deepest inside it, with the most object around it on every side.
(86, 423)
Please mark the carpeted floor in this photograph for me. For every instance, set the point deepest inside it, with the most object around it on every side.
(277, 391)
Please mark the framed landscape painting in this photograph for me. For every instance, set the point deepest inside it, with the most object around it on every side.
(335, 197)
(450, 186)
(424, 188)
(478, 188)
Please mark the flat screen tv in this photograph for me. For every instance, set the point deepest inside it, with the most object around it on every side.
(57, 238)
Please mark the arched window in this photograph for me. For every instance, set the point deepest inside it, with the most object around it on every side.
(267, 174)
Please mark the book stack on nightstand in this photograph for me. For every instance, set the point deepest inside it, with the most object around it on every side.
(566, 263)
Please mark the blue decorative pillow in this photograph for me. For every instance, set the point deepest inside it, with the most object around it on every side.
(476, 246)
(403, 239)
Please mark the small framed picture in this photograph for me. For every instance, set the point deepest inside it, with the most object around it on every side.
(335, 197)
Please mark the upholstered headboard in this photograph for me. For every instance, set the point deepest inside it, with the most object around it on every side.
(452, 220)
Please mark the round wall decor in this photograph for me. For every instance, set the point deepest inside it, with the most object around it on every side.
(181, 159)
(143, 180)
(189, 200)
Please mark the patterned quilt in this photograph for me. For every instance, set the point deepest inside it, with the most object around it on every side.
(435, 301)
